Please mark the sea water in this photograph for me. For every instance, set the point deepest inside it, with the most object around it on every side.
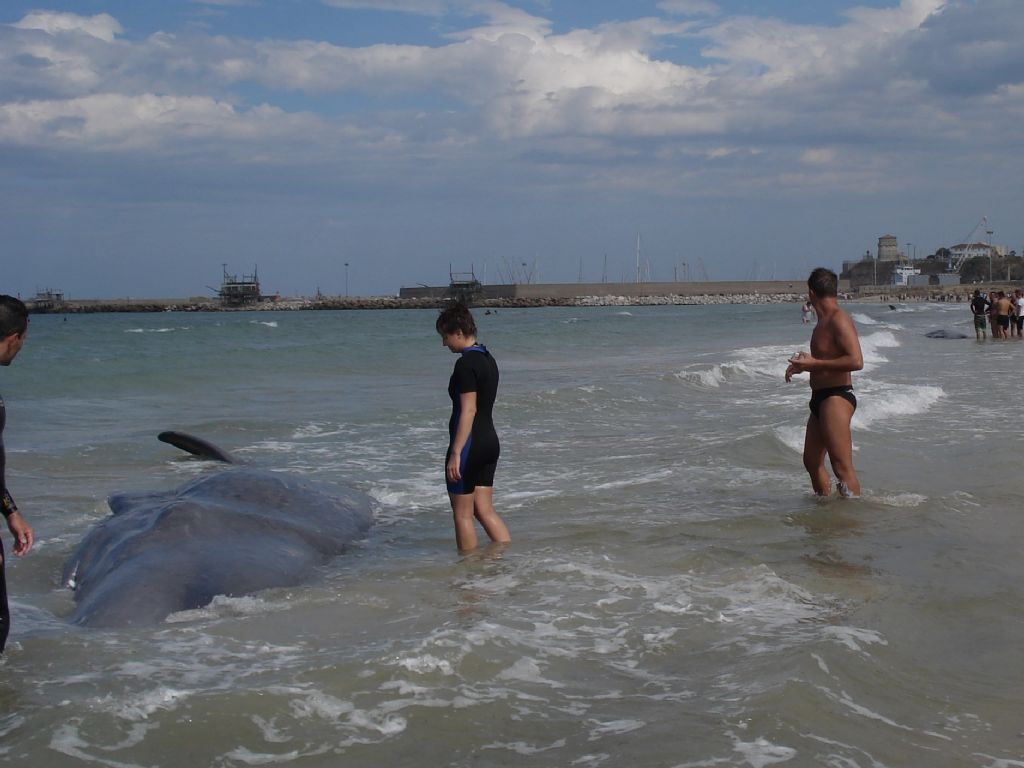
(674, 594)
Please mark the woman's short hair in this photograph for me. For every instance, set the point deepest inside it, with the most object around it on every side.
(455, 318)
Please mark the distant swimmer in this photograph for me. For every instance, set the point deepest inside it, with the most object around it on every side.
(979, 306)
(473, 447)
(835, 354)
(807, 312)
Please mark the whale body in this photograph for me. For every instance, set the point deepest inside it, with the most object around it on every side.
(233, 532)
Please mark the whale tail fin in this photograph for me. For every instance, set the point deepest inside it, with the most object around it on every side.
(196, 446)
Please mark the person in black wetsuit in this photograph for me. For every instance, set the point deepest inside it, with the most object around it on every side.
(473, 446)
(13, 328)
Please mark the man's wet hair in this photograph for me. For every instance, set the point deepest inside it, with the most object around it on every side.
(823, 282)
(13, 316)
(455, 318)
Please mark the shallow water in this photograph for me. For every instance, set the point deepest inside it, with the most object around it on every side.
(674, 596)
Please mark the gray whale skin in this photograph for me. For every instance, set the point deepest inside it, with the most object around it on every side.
(231, 532)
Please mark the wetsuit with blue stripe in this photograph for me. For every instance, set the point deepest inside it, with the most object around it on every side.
(475, 371)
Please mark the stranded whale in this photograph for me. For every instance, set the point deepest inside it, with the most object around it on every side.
(232, 532)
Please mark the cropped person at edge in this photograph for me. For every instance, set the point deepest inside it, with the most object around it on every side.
(13, 329)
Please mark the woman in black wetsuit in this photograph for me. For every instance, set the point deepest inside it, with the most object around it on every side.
(473, 447)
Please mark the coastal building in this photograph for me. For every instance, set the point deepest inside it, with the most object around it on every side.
(888, 249)
(47, 300)
(235, 291)
(904, 274)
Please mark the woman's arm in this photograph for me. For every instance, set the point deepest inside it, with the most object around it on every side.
(467, 412)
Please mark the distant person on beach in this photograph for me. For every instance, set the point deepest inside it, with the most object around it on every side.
(1002, 307)
(835, 354)
(473, 447)
(13, 329)
(979, 304)
(807, 312)
(1018, 307)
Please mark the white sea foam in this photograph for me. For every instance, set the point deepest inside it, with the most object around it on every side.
(861, 319)
(615, 728)
(870, 346)
(791, 436)
(650, 477)
(222, 605)
(270, 732)
(883, 403)
(141, 706)
(844, 699)
(854, 638)
(717, 375)
(529, 671)
(522, 748)
(770, 361)
(901, 500)
(68, 740)
(318, 430)
(426, 664)
(248, 757)
(761, 752)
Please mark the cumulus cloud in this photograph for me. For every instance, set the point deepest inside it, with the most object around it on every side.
(505, 106)
(690, 7)
(883, 75)
(119, 122)
(228, 3)
(102, 26)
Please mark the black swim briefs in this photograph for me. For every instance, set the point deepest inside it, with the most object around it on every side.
(820, 395)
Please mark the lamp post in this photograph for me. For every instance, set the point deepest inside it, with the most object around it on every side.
(346, 279)
(989, 233)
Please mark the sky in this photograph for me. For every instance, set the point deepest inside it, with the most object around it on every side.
(360, 146)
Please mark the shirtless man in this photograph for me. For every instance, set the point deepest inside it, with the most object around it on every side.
(1003, 308)
(835, 353)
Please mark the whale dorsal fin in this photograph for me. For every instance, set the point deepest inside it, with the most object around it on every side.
(196, 446)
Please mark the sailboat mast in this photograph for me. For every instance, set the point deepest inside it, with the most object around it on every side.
(638, 257)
